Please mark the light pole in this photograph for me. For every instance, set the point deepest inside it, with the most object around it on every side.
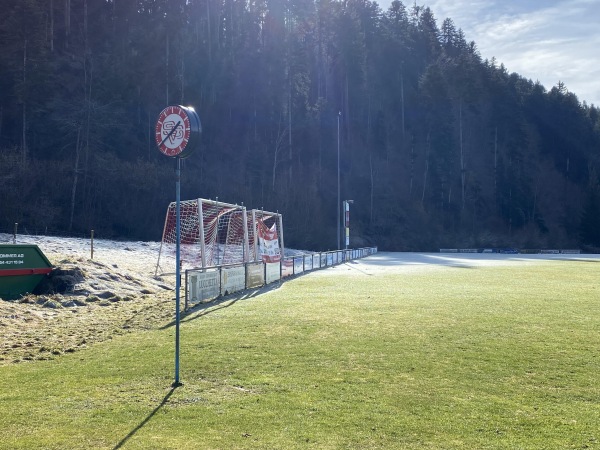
(339, 245)
(346, 207)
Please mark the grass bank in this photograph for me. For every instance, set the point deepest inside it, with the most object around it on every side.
(503, 357)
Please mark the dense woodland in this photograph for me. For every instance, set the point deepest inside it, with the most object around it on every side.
(440, 146)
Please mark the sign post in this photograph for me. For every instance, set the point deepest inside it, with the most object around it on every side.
(177, 134)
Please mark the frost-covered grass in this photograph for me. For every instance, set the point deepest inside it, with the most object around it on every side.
(488, 357)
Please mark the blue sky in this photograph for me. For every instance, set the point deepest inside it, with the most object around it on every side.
(542, 40)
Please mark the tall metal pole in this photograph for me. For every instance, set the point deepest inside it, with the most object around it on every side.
(338, 204)
(177, 265)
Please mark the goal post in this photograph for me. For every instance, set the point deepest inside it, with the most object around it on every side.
(267, 221)
(215, 233)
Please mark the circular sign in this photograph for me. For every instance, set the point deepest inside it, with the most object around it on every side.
(177, 131)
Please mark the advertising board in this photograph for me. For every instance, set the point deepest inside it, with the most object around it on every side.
(255, 275)
(298, 265)
(308, 262)
(233, 279)
(287, 268)
(272, 272)
(203, 286)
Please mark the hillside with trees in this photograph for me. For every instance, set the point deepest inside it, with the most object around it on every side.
(440, 146)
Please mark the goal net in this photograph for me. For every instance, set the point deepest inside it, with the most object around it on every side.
(213, 233)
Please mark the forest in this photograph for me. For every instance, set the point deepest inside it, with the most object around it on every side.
(438, 145)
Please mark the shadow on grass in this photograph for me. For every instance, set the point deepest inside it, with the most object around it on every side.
(204, 309)
(351, 264)
(146, 420)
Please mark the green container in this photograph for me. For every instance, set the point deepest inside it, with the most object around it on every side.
(22, 267)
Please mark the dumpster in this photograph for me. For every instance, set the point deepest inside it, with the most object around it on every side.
(22, 267)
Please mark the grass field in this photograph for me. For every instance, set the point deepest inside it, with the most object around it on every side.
(495, 357)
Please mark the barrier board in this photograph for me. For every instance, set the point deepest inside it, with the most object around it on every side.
(233, 279)
(203, 286)
(255, 275)
(272, 272)
(316, 261)
(287, 268)
(298, 265)
(308, 263)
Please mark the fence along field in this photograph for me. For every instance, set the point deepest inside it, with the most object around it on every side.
(225, 249)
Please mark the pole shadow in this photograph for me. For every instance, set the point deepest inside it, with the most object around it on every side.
(146, 420)
(203, 309)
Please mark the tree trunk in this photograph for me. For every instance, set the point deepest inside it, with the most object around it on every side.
(372, 187)
(463, 171)
(278, 145)
(402, 98)
(209, 31)
(67, 22)
(52, 26)
(24, 128)
(290, 151)
(75, 178)
(167, 68)
(412, 169)
(496, 165)
(426, 169)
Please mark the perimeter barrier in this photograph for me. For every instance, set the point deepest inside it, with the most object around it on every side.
(203, 285)
(511, 250)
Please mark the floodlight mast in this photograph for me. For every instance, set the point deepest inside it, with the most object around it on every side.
(339, 245)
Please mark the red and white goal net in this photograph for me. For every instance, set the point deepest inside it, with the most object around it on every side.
(214, 233)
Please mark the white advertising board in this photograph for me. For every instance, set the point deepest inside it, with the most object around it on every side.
(203, 286)
(255, 275)
(272, 272)
(308, 261)
(298, 265)
(233, 279)
(287, 268)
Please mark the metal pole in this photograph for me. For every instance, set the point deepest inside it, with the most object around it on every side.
(92, 246)
(338, 205)
(177, 264)
(255, 235)
(202, 237)
(15, 234)
(245, 247)
(346, 223)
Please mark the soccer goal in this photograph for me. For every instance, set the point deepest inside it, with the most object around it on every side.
(214, 233)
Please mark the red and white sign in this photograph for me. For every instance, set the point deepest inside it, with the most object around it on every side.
(268, 243)
(177, 131)
(172, 130)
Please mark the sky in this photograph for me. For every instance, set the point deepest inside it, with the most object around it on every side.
(543, 40)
